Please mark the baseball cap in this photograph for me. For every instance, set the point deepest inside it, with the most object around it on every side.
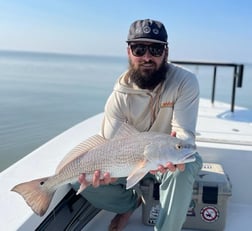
(147, 30)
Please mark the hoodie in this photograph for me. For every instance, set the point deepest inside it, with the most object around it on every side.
(171, 106)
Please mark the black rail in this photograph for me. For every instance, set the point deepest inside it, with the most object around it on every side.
(237, 76)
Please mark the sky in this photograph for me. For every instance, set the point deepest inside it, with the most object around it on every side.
(206, 30)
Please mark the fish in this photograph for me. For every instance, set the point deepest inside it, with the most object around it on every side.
(129, 153)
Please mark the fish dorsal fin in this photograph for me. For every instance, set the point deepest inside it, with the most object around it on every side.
(81, 149)
(126, 130)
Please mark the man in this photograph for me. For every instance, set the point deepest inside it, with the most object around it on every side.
(152, 95)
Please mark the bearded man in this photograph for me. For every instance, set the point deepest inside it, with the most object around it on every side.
(152, 95)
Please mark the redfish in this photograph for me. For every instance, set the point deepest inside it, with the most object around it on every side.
(130, 154)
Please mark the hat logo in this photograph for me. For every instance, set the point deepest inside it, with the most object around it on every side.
(146, 29)
(138, 30)
(155, 31)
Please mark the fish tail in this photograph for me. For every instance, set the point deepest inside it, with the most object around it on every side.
(35, 195)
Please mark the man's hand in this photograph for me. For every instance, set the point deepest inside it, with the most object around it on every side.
(96, 181)
(169, 166)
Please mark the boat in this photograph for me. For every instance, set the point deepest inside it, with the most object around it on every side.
(224, 137)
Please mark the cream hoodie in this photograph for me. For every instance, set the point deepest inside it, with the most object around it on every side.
(171, 106)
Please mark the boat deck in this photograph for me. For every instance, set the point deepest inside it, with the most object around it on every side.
(219, 140)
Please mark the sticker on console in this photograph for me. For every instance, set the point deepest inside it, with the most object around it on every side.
(209, 214)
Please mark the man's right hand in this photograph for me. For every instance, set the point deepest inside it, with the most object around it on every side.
(96, 181)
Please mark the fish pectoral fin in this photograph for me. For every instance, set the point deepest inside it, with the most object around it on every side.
(189, 158)
(135, 178)
(137, 174)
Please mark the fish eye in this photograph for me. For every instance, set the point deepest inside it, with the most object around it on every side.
(179, 146)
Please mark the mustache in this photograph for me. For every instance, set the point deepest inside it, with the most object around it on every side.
(147, 62)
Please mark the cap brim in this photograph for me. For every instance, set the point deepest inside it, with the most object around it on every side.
(145, 40)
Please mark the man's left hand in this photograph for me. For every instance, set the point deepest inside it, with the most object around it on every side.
(168, 167)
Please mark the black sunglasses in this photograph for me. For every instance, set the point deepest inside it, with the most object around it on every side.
(155, 50)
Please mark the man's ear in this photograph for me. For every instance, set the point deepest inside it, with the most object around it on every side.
(128, 50)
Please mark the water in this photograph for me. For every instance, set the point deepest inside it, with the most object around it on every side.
(42, 95)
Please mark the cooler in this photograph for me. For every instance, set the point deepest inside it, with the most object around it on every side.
(207, 210)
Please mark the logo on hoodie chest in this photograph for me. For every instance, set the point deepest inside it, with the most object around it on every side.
(167, 104)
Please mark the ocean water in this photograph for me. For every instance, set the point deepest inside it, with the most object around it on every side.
(41, 95)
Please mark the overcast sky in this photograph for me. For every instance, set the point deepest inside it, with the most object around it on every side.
(215, 30)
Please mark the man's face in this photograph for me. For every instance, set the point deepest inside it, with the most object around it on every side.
(147, 63)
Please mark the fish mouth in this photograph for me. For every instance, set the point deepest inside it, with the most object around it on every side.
(190, 157)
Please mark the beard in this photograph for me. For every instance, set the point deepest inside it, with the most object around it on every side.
(147, 79)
